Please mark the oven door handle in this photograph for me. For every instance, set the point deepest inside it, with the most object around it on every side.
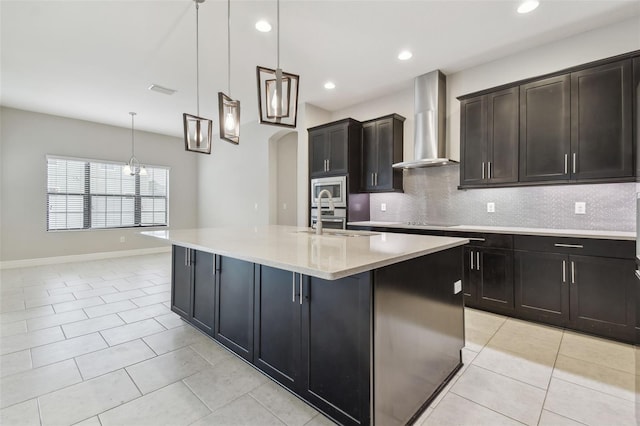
(327, 219)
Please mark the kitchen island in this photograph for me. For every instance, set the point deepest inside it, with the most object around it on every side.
(367, 327)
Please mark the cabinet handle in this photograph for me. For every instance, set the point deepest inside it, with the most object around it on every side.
(573, 272)
(489, 170)
(483, 170)
(476, 239)
(472, 260)
(637, 274)
(564, 271)
(569, 245)
(328, 164)
(574, 162)
(566, 164)
(376, 178)
(372, 179)
(478, 260)
(300, 288)
(186, 257)
(293, 286)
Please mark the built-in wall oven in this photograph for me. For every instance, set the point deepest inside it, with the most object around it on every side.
(337, 187)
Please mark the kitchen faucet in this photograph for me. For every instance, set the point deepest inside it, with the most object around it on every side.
(319, 201)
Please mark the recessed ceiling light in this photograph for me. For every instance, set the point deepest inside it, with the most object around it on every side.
(263, 26)
(528, 6)
(404, 55)
(329, 85)
(161, 89)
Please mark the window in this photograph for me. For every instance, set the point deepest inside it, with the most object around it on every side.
(91, 194)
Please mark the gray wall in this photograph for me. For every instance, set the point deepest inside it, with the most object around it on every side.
(287, 153)
(431, 195)
(27, 137)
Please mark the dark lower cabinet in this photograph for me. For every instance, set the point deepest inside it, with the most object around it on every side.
(235, 305)
(277, 325)
(193, 289)
(336, 346)
(488, 278)
(541, 288)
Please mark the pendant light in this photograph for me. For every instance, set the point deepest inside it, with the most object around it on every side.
(277, 91)
(133, 167)
(228, 109)
(197, 130)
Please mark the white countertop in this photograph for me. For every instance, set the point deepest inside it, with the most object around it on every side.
(323, 256)
(545, 232)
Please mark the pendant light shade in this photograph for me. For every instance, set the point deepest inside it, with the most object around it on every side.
(197, 130)
(228, 109)
(133, 167)
(277, 91)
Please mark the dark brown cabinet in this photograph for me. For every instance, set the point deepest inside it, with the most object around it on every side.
(234, 306)
(545, 129)
(601, 142)
(635, 94)
(382, 145)
(331, 146)
(489, 138)
(193, 289)
(577, 284)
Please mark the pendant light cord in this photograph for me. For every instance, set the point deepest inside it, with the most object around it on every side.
(229, 47)
(197, 60)
(133, 140)
(278, 33)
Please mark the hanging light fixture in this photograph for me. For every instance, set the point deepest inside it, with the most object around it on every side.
(277, 91)
(228, 109)
(197, 130)
(133, 167)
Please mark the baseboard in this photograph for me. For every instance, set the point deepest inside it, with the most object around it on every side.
(25, 263)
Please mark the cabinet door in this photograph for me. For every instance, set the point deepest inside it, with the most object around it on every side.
(369, 156)
(277, 325)
(234, 301)
(384, 176)
(473, 140)
(338, 138)
(602, 296)
(601, 121)
(495, 287)
(635, 93)
(181, 282)
(470, 276)
(502, 128)
(318, 152)
(203, 290)
(336, 346)
(542, 286)
(545, 129)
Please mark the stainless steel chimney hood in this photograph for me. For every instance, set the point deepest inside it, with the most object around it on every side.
(430, 93)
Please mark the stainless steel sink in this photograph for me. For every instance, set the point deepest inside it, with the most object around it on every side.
(340, 233)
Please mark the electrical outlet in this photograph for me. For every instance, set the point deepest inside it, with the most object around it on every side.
(491, 207)
(122, 239)
(581, 207)
(383, 207)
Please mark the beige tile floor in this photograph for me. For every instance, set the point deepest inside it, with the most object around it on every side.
(95, 343)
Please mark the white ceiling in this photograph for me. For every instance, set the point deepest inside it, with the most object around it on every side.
(94, 59)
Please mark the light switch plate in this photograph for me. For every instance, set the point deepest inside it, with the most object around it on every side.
(457, 287)
(383, 207)
(581, 207)
(491, 207)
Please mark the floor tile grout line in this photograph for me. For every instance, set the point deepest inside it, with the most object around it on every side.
(596, 364)
(553, 368)
(597, 391)
(284, 423)
(509, 377)
(484, 406)
(564, 417)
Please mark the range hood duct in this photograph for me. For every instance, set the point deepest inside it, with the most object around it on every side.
(430, 94)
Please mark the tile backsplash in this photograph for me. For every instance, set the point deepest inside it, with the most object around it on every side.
(431, 195)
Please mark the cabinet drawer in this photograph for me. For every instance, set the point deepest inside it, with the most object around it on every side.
(578, 246)
(484, 240)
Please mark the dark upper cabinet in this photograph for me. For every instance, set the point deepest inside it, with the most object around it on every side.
(336, 342)
(333, 148)
(601, 142)
(235, 305)
(489, 138)
(635, 94)
(382, 145)
(181, 280)
(277, 325)
(545, 131)
(193, 287)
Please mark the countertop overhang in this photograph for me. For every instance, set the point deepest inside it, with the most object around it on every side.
(294, 249)
(543, 232)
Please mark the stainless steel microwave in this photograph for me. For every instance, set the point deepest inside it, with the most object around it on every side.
(337, 187)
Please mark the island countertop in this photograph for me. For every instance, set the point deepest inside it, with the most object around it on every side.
(296, 249)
